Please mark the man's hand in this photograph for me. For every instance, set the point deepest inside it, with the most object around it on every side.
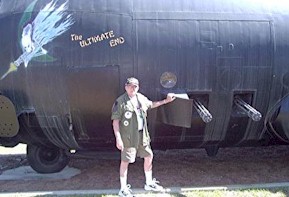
(119, 144)
(170, 97)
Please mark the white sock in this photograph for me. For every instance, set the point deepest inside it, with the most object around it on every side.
(123, 182)
(149, 177)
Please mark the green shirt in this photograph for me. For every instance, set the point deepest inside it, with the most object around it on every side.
(124, 111)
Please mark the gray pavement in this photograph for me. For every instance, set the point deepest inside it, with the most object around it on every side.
(27, 173)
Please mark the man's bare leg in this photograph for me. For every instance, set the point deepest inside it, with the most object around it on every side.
(123, 174)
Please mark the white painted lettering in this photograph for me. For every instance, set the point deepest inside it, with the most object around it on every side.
(98, 38)
(75, 37)
(117, 41)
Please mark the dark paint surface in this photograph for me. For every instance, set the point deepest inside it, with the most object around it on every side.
(218, 50)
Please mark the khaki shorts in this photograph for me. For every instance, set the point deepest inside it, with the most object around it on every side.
(129, 154)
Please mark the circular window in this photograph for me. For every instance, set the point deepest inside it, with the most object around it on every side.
(168, 80)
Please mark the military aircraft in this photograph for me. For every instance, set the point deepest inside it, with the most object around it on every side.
(63, 63)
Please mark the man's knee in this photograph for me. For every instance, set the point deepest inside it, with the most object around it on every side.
(149, 158)
(124, 163)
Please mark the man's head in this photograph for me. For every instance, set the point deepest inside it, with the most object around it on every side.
(131, 86)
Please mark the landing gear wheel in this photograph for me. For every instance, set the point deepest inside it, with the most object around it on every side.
(212, 150)
(46, 159)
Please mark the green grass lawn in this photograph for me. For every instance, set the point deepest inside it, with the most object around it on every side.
(274, 192)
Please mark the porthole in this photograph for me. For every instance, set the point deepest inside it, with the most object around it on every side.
(168, 80)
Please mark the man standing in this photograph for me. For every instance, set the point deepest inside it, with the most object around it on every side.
(131, 133)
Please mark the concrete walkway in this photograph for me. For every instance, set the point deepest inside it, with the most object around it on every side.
(142, 191)
(27, 173)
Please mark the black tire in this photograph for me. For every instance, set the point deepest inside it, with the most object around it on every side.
(45, 159)
(212, 150)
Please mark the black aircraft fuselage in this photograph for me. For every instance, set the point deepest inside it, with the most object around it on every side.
(63, 64)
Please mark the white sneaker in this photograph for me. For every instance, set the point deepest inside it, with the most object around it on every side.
(126, 192)
(154, 186)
